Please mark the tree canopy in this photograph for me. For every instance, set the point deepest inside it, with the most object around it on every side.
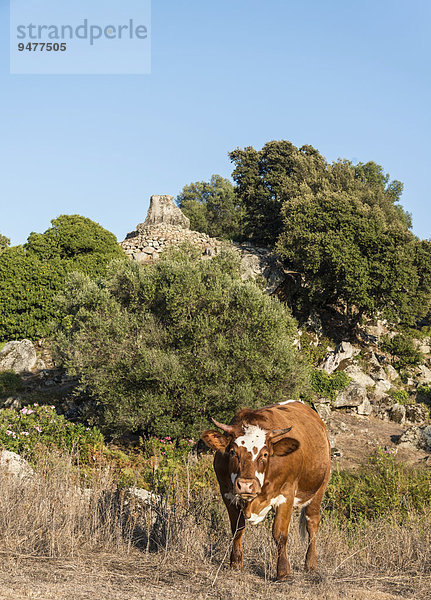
(163, 347)
(4, 242)
(338, 224)
(32, 274)
(212, 207)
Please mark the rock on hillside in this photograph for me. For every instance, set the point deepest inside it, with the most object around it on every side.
(163, 210)
(166, 226)
(18, 356)
(15, 465)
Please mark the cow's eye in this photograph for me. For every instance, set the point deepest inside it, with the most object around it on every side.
(264, 455)
(232, 452)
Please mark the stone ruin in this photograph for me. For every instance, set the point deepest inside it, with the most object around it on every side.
(165, 226)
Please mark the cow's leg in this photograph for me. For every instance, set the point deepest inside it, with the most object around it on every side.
(280, 532)
(312, 518)
(237, 524)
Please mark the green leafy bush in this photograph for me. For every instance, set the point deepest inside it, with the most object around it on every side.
(10, 383)
(31, 275)
(424, 394)
(400, 396)
(383, 488)
(33, 426)
(163, 347)
(315, 353)
(212, 207)
(4, 242)
(402, 348)
(327, 386)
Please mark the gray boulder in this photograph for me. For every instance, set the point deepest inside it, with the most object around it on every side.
(424, 375)
(416, 413)
(417, 438)
(398, 413)
(358, 376)
(261, 263)
(18, 356)
(15, 465)
(365, 408)
(343, 351)
(383, 386)
(323, 410)
(354, 395)
(163, 210)
(392, 374)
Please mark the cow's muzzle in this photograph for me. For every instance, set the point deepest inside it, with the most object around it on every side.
(246, 489)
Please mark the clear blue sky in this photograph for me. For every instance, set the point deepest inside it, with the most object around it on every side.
(351, 79)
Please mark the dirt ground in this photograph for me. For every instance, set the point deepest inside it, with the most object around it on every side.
(356, 437)
(146, 577)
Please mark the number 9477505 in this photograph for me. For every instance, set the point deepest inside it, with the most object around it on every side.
(41, 47)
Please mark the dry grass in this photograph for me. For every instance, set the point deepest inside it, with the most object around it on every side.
(60, 542)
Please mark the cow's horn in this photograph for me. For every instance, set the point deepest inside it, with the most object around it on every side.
(277, 432)
(227, 428)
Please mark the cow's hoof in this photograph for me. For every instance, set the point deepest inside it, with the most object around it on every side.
(284, 579)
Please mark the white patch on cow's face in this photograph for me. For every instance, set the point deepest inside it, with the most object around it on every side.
(233, 477)
(289, 401)
(230, 497)
(260, 477)
(253, 439)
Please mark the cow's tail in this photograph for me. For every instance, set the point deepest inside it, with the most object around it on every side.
(303, 524)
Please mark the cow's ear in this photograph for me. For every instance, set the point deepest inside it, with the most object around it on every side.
(285, 446)
(215, 440)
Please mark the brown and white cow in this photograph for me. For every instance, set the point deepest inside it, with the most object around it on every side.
(274, 457)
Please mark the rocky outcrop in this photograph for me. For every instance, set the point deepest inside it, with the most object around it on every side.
(260, 263)
(354, 395)
(343, 351)
(416, 437)
(163, 210)
(165, 226)
(147, 243)
(18, 356)
(15, 465)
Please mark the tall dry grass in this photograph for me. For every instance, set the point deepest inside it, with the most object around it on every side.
(55, 515)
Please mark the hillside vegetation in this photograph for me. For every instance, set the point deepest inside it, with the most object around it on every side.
(165, 347)
(118, 499)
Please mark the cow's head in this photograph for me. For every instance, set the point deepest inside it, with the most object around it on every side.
(249, 448)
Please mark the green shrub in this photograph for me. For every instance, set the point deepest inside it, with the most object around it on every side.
(164, 347)
(10, 383)
(402, 348)
(381, 489)
(314, 353)
(33, 426)
(400, 396)
(327, 386)
(424, 394)
(167, 461)
(31, 275)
